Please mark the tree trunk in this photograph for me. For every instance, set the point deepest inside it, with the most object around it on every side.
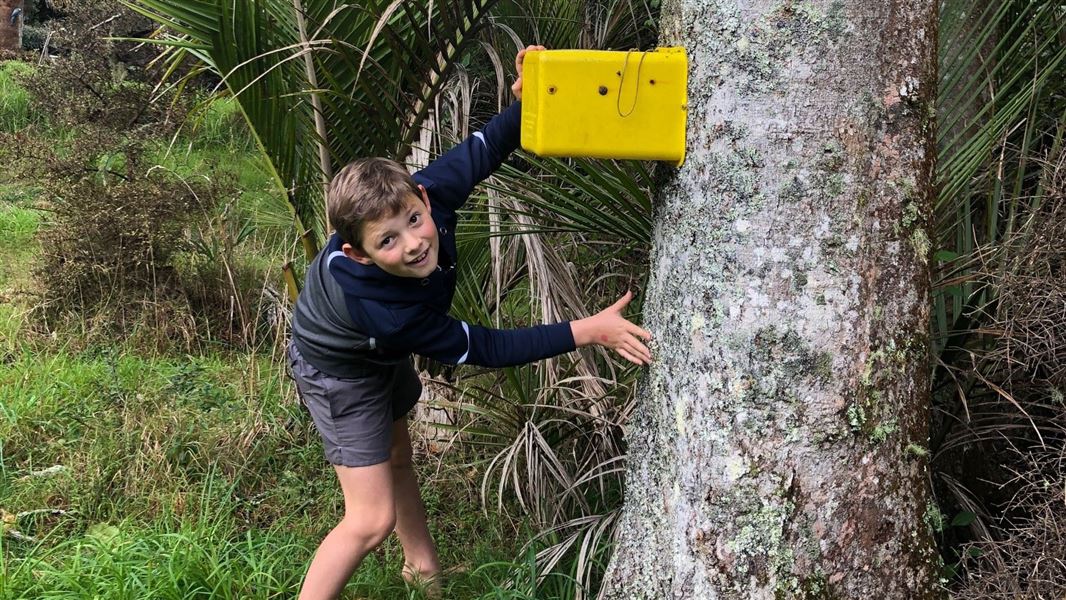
(11, 25)
(779, 447)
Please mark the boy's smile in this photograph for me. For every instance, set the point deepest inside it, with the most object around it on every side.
(404, 244)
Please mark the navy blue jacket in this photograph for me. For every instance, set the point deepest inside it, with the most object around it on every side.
(350, 316)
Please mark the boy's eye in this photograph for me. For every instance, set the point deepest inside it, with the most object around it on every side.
(415, 218)
(385, 241)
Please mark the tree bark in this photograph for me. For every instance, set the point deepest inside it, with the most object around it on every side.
(11, 25)
(778, 450)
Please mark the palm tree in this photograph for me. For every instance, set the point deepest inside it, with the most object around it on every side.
(322, 83)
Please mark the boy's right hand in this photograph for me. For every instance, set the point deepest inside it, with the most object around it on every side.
(610, 329)
(516, 88)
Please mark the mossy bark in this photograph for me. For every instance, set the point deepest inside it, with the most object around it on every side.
(10, 29)
(770, 455)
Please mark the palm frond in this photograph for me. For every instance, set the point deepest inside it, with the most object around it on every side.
(1000, 81)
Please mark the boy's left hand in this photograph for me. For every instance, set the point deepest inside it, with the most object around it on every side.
(516, 88)
(608, 328)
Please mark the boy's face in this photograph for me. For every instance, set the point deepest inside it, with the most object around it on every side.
(404, 244)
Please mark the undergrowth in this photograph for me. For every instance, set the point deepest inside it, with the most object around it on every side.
(124, 476)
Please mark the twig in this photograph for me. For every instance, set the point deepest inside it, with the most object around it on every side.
(106, 21)
(22, 537)
(52, 512)
(44, 47)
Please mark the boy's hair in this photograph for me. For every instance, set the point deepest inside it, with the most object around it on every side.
(366, 190)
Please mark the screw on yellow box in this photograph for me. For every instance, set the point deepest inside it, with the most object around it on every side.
(606, 104)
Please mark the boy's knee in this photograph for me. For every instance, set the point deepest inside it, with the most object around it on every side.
(372, 527)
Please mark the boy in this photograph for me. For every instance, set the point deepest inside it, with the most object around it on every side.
(377, 293)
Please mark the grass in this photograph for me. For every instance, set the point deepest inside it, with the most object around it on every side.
(208, 556)
(219, 123)
(18, 223)
(14, 100)
(178, 474)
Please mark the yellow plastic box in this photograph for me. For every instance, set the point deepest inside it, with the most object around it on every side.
(606, 104)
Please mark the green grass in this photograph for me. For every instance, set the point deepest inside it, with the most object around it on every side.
(219, 123)
(215, 143)
(204, 556)
(178, 474)
(14, 100)
(18, 224)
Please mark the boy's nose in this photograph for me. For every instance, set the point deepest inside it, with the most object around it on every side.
(412, 244)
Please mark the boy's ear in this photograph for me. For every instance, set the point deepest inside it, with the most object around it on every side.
(425, 194)
(356, 254)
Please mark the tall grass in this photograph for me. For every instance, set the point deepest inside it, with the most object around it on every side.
(128, 476)
(18, 224)
(211, 555)
(215, 142)
(14, 100)
(219, 122)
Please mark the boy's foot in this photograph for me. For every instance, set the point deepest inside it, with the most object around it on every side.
(428, 583)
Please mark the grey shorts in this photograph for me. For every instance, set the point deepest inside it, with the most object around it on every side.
(354, 416)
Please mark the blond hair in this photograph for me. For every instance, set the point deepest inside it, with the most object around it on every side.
(366, 190)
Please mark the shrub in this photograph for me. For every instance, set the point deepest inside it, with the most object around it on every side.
(124, 249)
(1025, 558)
(33, 38)
(122, 246)
(111, 236)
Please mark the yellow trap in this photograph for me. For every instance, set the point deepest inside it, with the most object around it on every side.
(606, 104)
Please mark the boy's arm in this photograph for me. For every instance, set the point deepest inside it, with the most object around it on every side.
(429, 333)
(448, 340)
(451, 178)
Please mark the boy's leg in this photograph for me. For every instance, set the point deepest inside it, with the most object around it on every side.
(369, 518)
(420, 555)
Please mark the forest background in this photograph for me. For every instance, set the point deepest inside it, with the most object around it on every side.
(151, 443)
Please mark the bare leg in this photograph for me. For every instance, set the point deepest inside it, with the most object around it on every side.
(421, 564)
(369, 518)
